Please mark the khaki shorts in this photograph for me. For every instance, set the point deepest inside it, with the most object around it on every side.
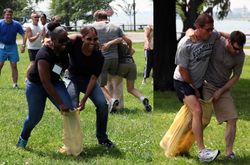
(110, 66)
(127, 71)
(224, 108)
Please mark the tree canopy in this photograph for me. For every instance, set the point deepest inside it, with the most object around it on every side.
(16, 6)
(78, 9)
(189, 10)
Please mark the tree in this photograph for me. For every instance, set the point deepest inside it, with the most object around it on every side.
(189, 10)
(165, 44)
(16, 6)
(77, 9)
(128, 9)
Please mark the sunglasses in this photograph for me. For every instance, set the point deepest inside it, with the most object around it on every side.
(64, 41)
(92, 39)
(235, 48)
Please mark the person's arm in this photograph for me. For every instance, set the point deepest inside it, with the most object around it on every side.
(128, 41)
(73, 37)
(225, 35)
(186, 77)
(226, 87)
(147, 31)
(44, 73)
(24, 43)
(29, 35)
(107, 45)
(91, 84)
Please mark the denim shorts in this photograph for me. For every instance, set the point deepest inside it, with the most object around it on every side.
(184, 89)
(9, 52)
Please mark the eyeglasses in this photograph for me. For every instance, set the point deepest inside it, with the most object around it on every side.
(209, 29)
(64, 41)
(235, 48)
(92, 39)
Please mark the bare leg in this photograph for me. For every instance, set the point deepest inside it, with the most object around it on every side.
(230, 135)
(194, 105)
(1, 66)
(106, 93)
(14, 72)
(131, 89)
(115, 88)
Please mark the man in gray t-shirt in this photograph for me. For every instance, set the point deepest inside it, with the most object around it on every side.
(107, 32)
(223, 72)
(192, 60)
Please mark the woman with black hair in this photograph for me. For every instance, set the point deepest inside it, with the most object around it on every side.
(86, 61)
(44, 81)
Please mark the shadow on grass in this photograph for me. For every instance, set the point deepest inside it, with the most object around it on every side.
(167, 102)
(128, 111)
(88, 154)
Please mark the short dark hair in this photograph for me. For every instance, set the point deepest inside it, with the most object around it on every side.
(238, 37)
(44, 15)
(51, 26)
(100, 14)
(57, 31)
(86, 29)
(9, 10)
(203, 19)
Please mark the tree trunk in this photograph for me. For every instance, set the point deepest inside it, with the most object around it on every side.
(165, 44)
(191, 14)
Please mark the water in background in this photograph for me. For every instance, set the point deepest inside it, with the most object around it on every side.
(226, 26)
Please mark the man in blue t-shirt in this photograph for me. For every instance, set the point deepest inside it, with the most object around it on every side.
(8, 47)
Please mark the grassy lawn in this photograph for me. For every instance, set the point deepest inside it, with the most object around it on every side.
(166, 106)
(136, 133)
(131, 129)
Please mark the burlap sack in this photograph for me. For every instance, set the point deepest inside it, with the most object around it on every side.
(72, 133)
(179, 138)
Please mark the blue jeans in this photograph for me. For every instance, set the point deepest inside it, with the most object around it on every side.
(36, 97)
(78, 85)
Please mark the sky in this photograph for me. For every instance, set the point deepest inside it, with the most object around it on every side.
(240, 4)
(144, 10)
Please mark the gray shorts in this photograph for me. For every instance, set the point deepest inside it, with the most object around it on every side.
(127, 71)
(110, 66)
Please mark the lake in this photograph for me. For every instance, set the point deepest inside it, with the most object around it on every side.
(226, 25)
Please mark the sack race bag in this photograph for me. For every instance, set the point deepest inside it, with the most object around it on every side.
(72, 133)
(179, 138)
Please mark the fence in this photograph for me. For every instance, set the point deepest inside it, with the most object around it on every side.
(131, 27)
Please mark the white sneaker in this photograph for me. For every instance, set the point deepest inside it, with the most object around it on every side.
(113, 105)
(207, 155)
(15, 86)
(143, 81)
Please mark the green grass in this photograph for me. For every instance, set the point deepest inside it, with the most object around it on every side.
(131, 129)
(166, 106)
(136, 133)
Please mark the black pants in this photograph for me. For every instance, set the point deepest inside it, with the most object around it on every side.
(149, 63)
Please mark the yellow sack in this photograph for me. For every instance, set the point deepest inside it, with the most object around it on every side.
(179, 138)
(72, 134)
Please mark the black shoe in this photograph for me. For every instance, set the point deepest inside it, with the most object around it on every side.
(107, 143)
(146, 104)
